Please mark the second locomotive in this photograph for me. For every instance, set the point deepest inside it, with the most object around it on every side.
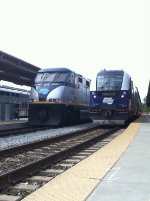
(59, 95)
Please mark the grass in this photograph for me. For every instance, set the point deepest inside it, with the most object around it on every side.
(145, 109)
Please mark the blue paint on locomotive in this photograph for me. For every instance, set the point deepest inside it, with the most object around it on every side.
(118, 101)
(115, 98)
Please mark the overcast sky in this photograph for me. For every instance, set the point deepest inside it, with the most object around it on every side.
(83, 35)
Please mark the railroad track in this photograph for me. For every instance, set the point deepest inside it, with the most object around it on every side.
(27, 129)
(19, 131)
(49, 154)
(42, 140)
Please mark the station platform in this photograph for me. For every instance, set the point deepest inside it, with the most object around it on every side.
(120, 171)
(12, 124)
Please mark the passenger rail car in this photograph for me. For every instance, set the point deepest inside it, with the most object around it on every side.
(59, 95)
(116, 100)
(12, 99)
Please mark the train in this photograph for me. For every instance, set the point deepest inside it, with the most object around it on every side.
(12, 98)
(116, 100)
(59, 95)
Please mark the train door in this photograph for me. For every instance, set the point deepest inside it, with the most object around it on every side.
(87, 92)
(70, 93)
(8, 112)
(79, 85)
(0, 113)
(76, 89)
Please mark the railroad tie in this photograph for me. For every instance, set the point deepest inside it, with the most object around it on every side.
(9, 198)
(40, 178)
(24, 187)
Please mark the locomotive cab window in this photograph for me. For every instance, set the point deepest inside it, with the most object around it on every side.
(61, 77)
(39, 77)
(51, 77)
(109, 82)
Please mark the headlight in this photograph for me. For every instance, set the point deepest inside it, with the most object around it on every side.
(33, 100)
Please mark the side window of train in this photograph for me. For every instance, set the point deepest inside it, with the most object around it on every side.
(2, 92)
(131, 84)
(87, 84)
(131, 91)
(78, 80)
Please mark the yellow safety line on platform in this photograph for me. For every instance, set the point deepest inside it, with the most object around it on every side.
(79, 181)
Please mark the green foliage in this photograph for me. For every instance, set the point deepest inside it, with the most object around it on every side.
(145, 108)
(148, 96)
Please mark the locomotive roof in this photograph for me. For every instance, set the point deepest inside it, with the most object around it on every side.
(111, 71)
(66, 70)
(122, 72)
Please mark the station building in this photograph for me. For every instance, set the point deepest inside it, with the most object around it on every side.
(19, 72)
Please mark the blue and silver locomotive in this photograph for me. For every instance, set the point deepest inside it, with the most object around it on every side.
(59, 95)
(115, 100)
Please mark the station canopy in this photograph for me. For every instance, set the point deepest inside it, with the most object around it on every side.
(16, 70)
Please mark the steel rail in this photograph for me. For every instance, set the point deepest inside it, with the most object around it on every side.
(21, 148)
(29, 169)
(20, 131)
(28, 128)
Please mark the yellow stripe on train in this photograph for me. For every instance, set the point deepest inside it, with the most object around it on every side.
(61, 103)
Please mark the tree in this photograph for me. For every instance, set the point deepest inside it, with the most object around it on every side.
(144, 101)
(148, 96)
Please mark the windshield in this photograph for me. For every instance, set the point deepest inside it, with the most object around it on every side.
(109, 82)
(51, 77)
